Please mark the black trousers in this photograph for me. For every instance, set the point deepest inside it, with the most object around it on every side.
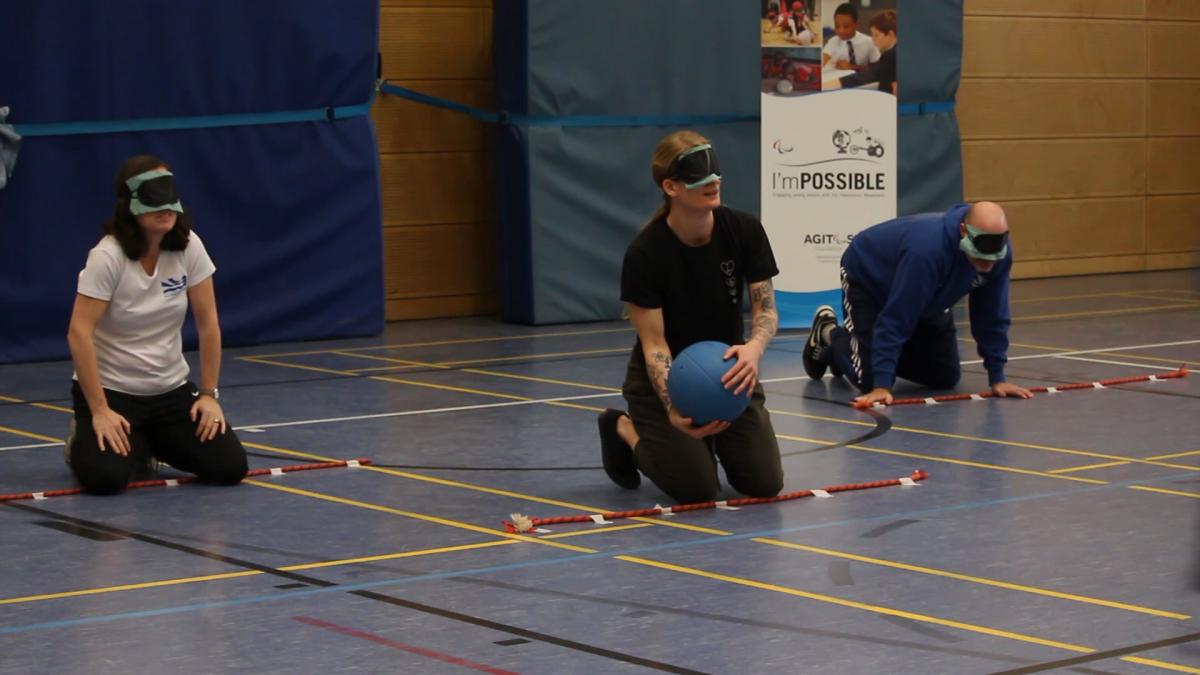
(930, 357)
(686, 468)
(160, 428)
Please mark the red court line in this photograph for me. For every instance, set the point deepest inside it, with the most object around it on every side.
(420, 651)
(161, 482)
(932, 400)
(523, 524)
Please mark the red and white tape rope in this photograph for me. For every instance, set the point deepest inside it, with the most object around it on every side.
(526, 524)
(1101, 384)
(173, 482)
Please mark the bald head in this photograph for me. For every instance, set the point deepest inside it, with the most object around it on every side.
(988, 217)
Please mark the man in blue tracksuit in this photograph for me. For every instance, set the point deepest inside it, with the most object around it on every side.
(900, 280)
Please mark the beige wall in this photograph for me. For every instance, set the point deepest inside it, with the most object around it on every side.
(1083, 118)
(439, 229)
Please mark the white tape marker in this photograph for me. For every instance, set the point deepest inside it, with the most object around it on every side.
(1097, 385)
(908, 482)
(930, 401)
(724, 506)
(976, 397)
(1154, 378)
(1051, 390)
(276, 471)
(171, 482)
(39, 496)
(353, 464)
(599, 519)
(821, 493)
(664, 510)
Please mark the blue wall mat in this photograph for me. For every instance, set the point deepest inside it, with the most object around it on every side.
(571, 198)
(289, 212)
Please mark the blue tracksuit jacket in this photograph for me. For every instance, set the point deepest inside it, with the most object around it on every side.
(914, 269)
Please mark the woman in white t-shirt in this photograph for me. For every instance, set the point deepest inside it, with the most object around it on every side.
(133, 400)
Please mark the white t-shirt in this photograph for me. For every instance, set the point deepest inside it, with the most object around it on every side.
(139, 346)
(865, 51)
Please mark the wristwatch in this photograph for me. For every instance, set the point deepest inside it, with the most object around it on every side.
(214, 392)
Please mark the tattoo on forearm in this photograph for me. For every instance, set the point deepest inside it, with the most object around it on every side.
(659, 365)
(766, 319)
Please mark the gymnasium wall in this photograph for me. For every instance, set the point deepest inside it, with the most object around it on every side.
(436, 166)
(1083, 118)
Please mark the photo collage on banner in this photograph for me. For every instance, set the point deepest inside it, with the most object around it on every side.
(828, 139)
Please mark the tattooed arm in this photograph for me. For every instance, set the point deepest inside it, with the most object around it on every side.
(652, 333)
(743, 375)
(649, 326)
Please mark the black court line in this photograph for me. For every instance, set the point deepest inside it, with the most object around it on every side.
(313, 581)
(1099, 656)
(86, 532)
(163, 543)
(644, 609)
(532, 635)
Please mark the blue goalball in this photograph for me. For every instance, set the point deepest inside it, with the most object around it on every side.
(695, 384)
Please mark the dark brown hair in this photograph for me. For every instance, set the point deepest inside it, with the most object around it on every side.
(884, 22)
(124, 226)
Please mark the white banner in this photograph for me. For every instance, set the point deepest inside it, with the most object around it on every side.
(828, 151)
(828, 171)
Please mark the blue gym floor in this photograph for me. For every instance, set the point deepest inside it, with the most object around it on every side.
(1059, 533)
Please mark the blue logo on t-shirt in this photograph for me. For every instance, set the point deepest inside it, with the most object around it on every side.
(172, 286)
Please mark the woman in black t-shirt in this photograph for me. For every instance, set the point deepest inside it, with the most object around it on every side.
(682, 282)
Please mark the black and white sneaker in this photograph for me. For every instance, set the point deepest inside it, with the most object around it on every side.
(813, 365)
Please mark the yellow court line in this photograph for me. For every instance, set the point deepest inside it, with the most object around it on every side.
(997, 441)
(949, 460)
(1088, 467)
(51, 406)
(1098, 312)
(1079, 297)
(1145, 295)
(1162, 359)
(495, 491)
(977, 580)
(128, 587)
(545, 380)
(1174, 455)
(284, 364)
(405, 363)
(877, 609)
(1177, 667)
(528, 357)
(438, 343)
(47, 406)
(306, 566)
(447, 387)
(1179, 493)
(30, 434)
(419, 516)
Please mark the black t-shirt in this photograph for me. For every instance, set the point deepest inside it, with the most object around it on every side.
(698, 288)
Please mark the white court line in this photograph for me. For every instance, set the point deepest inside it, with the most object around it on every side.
(427, 411)
(1115, 363)
(31, 445)
(506, 404)
(1091, 351)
